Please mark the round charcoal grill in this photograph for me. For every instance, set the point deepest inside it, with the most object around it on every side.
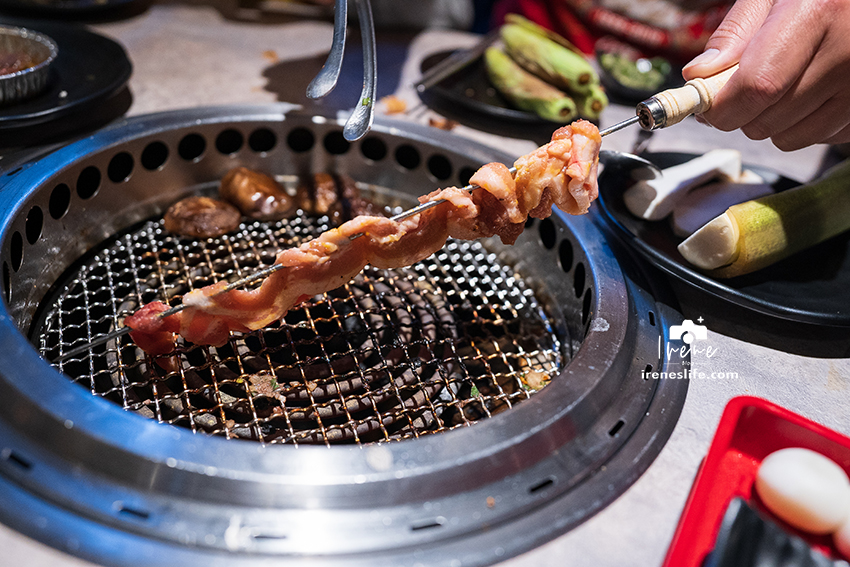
(455, 412)
(393, 354)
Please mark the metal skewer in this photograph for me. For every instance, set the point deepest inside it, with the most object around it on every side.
(620, 125)
(258, 275)
(269, 270)
(662, 110)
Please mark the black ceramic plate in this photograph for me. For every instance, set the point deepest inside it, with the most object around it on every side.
(812, 286)
(471, 89)
(89, 69)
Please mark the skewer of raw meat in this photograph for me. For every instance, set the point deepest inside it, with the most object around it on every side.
(562, 172)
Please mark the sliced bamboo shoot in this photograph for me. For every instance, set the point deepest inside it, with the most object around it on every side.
(714, 245)
(755, 234)
(706, 202)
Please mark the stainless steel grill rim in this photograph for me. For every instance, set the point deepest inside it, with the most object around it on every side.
(478, 494)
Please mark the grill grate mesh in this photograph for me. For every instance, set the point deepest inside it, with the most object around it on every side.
(393, 354)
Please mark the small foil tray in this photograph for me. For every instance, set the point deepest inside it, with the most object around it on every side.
(89, 69)
(749, 430)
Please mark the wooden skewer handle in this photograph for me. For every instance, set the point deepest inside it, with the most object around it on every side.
(674, 105)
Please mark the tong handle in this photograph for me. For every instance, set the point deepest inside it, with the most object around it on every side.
(674, 105)
(325, 81)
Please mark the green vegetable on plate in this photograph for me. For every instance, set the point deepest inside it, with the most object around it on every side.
(526, 91)
(755, 234)
(550, 61)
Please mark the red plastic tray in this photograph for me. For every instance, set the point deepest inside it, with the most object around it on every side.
(749, 430)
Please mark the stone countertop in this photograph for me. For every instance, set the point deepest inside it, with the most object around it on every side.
(192, 55)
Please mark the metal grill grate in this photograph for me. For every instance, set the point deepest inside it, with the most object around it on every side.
(393, 354)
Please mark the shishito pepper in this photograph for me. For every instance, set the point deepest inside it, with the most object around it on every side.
(643, 74)
(525, 91)
(552, 62)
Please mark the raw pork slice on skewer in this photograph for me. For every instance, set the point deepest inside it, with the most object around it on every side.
(562, 172)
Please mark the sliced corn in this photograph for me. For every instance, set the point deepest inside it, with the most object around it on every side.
(591, 105)
(525, 91)
(548, 60)
(540, 30)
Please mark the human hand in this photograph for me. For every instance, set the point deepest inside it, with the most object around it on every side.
(793, 84)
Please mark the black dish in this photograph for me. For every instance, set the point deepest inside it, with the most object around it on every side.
(89, 69)
(471, 89)
(40, 8)
(747, 539)
(809, 287)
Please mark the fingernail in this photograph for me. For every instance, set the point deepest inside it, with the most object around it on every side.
(701, 119)
(706, 56)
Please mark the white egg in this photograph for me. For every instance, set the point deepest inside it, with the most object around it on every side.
(842, 538)
(804, 488)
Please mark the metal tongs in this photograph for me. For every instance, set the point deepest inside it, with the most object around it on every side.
(363, 115)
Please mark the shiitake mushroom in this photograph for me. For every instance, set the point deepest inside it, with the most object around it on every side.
(201, 217)
(336, 196)
(256, 194)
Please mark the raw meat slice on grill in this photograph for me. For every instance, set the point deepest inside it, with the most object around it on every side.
(562, 172)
